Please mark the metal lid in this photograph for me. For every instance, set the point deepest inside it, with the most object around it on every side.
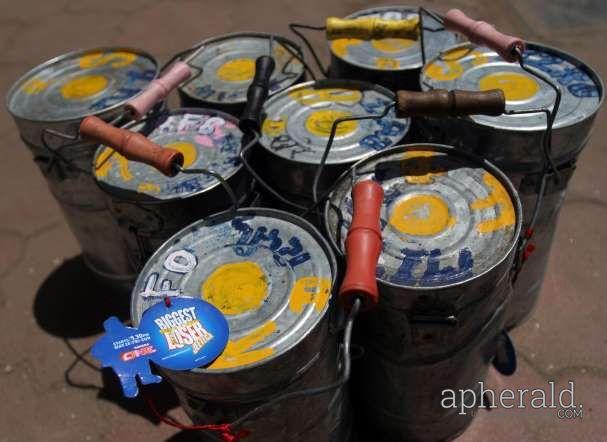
(446, 218)
(392, 54)
(82, 83)
(298, 121)
(227, 67)
(475, 68)
(269, 272)
(206, 138)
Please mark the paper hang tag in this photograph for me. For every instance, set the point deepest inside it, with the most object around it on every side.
(189, 333)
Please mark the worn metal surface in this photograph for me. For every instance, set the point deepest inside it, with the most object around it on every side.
(514, 142)
(298, 123)
(272, 275)
(403, 400)
(392, 62)
(450, 225)
(323, 418)
(151, 207)
(56, 95)
(225, 67)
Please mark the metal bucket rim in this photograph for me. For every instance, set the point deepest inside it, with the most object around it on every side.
(65, 56)
(332, 82)
(410, 67)
(580, 64)
(449, 150)
(229, 214)
(231, 35)
(111, 190)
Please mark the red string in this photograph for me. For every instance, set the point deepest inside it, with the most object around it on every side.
(225, 430)
(528, 251)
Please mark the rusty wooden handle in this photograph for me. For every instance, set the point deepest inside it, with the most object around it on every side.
(369, 28)
(132, 145)
(444, 103)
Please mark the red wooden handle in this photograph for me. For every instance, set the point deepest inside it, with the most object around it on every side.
(483, 34)
(132, 145)
(363, 246)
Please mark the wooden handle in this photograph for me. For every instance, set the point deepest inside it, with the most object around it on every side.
(484, 34)
(132, 145)
(158, 89)
(363, 246)
(444, 103)
(371, 28)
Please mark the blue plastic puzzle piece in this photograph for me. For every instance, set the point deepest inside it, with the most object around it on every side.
(126, 350)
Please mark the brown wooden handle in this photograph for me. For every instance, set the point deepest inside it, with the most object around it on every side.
(444, 103)
(132, 145)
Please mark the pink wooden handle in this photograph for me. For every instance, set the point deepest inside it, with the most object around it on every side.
(483, 34)
(159, 89)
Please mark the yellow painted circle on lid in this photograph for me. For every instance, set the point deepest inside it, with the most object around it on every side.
(516, 87)
(319, 123)
(422, 215)
(450, 70)
(188, 150)
(84, 86)
(34, 86)
(116, 60)
(392, 44)
(238, 69)
(341, 45)
(236, 288)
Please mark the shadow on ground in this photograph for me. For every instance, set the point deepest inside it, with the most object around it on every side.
(72, 302)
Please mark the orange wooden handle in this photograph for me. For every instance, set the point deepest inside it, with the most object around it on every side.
(132, 145)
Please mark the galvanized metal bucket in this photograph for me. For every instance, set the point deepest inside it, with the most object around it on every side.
(272, 275)
(150, 207)
(47, 104)
(394, 63)
(514, 142)
(225, 67)
(450, 225)
(297, 125)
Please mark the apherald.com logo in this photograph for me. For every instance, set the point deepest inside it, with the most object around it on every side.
(467, 400)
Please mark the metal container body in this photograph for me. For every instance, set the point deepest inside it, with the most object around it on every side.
(324, 417)
(440, 313)
(298, 123)
(149, 207)
(515, 146)
(393, 63)
(57, 95)
(223, 71)
(403, 401)
(287, 338)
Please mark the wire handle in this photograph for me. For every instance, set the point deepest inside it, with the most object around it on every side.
(345, 369)
(484, 34)
(369, 28)
(454, 103)
(132, 145)
(363, 246)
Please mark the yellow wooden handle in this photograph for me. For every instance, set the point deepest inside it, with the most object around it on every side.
(372, 28)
